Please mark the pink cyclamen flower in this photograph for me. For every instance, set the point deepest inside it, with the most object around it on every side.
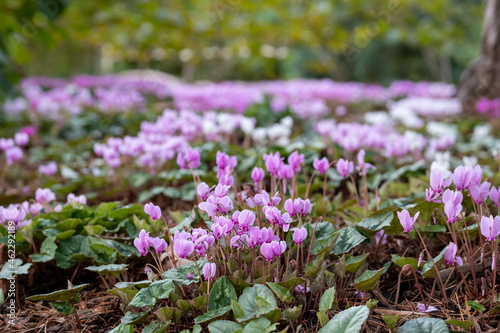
(422, 308)
(462, 177)
(190, 276)
(258, 175)
(278, 248)
(479, 193)
(143, 242)
(266, 250)
(225, 162)
(189, 160)
(81, 199)
(183, 247)
(209, 271)
(300, 290)
(48, 169)
(321, 165)
(21, 139)
(295, 160)
(152, 210)
(438, 180)
(495, 196)
(380, 237)
(363, 167)
(344, 167)
(273, 163)
(406, 221)
(263, 199)
(159, 244)
(44, 195)
(299, 235)
(14, 214)
(452, 204)
(13, 154)
(203, 191)
(490, 227)
(450, 255)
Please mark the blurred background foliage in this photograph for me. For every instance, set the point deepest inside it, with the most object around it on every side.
(371, 41)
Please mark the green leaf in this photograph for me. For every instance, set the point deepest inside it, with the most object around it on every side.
(2, 296)
(212, 315)
(103, 254)
(326, 301)
(134, 318)
(371, 303)
(291, 283)
(221, 294)
(156, 327)
(323, 318)
(390, 321)
(237, 310)
(426, 208)
(156, 290)
(123, 329)
(247, 298)
(224, 326)
(165, 314)
(47, 251)
(63, 307)
(314, 266)
(347, 321)
(260, 325)
(179, 274)
(68, 224)
(476, 306)
(377, 222)
(368, 280)
(113, 269)
(283, 294)
(293, 314)
(60, 295)
(348, 239)
(424, 325)
(465, 324)
(353, 264)
(402, 261)
(13, 268)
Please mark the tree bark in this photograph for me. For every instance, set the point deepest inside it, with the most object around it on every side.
(482, 77)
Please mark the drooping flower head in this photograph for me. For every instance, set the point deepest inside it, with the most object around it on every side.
(452, 204)
(209, 271)
(143, 242)
(490, 227)
(183, 247)
(321, 165)
(152, 210)
(479, 193)
(273, 163)
(406, 221)
(344, 167)
(295, 160)
(44, 195)
(299, 235)
(363, 167)
(450, 255)
(189, 160)
(438, 180)
(257, 175)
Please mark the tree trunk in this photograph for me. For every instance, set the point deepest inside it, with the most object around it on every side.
(482, 77)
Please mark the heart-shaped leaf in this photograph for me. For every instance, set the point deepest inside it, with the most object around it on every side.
(347, 321)
(368, 280)
(424, 325)
(224, 326)
(221, 294)
(60, 295)
(326, 301)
